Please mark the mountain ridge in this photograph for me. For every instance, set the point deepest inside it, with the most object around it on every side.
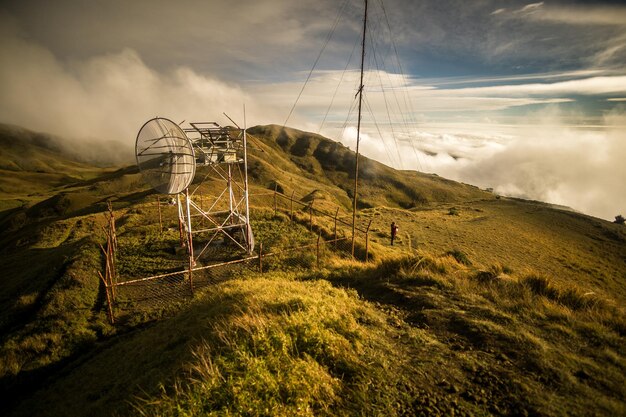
(325, 159)
(484, 305)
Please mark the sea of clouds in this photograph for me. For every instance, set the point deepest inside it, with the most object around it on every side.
(98, 104)
(581, 168)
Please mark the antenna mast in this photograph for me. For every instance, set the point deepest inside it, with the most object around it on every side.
(358, 130)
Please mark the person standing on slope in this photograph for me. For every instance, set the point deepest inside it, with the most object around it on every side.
(394, 231)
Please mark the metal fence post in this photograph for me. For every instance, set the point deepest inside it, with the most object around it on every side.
(367, 241)
(180, 221)
(201, 209)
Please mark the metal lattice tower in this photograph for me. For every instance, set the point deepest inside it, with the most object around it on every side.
(169, 159)
(222, 153)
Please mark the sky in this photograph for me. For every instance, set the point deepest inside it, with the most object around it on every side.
(527, 98)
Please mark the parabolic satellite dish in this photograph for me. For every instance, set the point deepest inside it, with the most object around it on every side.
(165, 156)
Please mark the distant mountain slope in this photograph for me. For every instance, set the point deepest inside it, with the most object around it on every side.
(33, 164)
(24, 150)
(330, 163)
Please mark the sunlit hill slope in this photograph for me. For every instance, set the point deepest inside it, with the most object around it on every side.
(484, 306)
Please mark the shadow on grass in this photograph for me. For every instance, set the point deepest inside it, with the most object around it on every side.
(133, 169)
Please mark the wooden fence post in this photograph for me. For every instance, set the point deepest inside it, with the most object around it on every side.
(291, 208)
(191, 273)
(318, 249)
(112, 224)
(109, 280)
(275, 205)
(113, 232)
(160, 216)
(260, 257)
(113, 235)
(367, 241)
(109, 306)
(335, 232)
(107, 260)
(111, 262)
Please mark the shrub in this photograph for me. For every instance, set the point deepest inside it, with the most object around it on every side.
(572, 297)
(490, 274)
(619, 219)
(540, 286)
(459, 256)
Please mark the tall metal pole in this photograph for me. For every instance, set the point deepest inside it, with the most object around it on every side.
(231, 197)
(358, 130)
(245, 187)
(181, 221)
(192, 261)
(189, 230)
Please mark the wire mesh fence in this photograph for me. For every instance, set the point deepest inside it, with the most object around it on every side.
(151, 292)
(320, 217)
(308, 210)
(160, 292)
(294, 234)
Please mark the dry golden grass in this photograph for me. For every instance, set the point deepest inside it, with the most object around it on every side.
(538, 345)
(484, 306)
(522, 237)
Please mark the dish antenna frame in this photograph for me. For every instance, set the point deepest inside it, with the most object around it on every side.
(223, 150)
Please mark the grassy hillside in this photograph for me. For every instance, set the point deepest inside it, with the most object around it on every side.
(485, 306)
(306, 161)
(521, 236)
(415, 335)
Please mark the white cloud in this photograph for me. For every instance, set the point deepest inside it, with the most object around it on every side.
(403, 94)
(107, 98)
(544, 160)
(530, 8)
(234, 39)
(584, 15)
(582, 86)
(580, 169)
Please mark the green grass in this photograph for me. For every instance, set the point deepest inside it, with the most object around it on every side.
(53, 318)
(267, 345)
(511, 343)
(415, 334)
(291, 348)
(570, 248)
(484, 306)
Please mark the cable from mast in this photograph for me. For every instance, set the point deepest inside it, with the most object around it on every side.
(328, 37)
